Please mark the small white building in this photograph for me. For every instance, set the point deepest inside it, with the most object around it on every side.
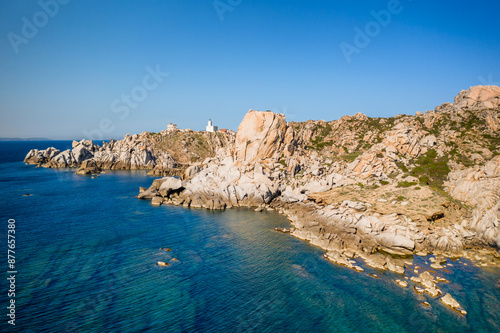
(171, 127)
(210, 127)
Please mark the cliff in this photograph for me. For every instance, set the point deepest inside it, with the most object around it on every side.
(164, 153)
(360, 188)
(429, 180)
(363, 184)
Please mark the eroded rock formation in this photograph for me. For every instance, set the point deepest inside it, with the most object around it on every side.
(276, 164)
(139, 151)
(357, 187)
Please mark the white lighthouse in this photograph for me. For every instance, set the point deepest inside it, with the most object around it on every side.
(210, 127)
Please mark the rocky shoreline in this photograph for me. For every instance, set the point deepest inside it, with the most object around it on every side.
(342, 233)
(345, 246)
(375, 190)
(269, 168)
(165, 154)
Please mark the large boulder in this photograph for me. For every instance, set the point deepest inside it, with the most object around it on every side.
(315, 186)
(261, 135)
(36, 156)
(191, 171)
(88, 167)
(290, 195)
(81, 153)
(149, 193)
(395, 242)
(479, 187)
(63, 160)
(408, 141)
(479, 97)
(170, 185)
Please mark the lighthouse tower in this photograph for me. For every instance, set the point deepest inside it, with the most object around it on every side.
(210, 127)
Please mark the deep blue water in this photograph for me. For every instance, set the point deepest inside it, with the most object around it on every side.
(86, 259)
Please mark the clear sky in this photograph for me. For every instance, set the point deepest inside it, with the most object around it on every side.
(73, 67)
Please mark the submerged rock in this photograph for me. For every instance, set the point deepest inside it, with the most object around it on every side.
(401, 283)
(418, 290)
(436, 266)
(342, 260)
(452, 303)
(428, 282)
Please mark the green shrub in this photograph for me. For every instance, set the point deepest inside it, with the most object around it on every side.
(318, 143)
(430, 169)
(406, 184)
(424, 180)
(431, 153)
(393, 175)
(352, 156)
(384, 182)
(402, 167)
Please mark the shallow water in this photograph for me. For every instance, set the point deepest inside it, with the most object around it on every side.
(87, 251)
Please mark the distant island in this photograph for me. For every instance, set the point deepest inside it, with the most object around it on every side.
(25, 139)
(361, 188)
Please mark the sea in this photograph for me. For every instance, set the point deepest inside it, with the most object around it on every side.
(86, 253)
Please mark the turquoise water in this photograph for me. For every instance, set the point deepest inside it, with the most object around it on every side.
(87, 251)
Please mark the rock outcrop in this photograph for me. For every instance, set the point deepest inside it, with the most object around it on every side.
(139, 151)
(358, 187)
(272, 164)
(253, 177)
(88, 167)
(479, 187)
(479, 97)
(452, 303)
(36, 156)
(263, 135)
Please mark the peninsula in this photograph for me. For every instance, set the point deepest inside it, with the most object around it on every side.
(374, 189)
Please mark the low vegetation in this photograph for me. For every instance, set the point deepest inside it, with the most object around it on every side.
(430, 169)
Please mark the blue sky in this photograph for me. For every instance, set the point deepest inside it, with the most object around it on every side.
(71, 79)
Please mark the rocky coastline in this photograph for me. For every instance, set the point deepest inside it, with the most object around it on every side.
(164, 153)
(372, 190)
(270, 167)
